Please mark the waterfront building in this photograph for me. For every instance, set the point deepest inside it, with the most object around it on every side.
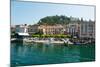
(82, 28)
(21, 32)
(52, 29)
(87, 29)
(22, 28)
(73, 28)
(32, 29)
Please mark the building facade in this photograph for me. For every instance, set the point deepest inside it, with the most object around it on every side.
(73, 28)
(54, 29)
(32, 29)
(87, 29)
(22, 28)
(82, 29)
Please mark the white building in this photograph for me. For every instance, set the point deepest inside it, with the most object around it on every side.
(87, 29)
(22, 28)
(82, 29)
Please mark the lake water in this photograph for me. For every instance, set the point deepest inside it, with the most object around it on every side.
(37, 54)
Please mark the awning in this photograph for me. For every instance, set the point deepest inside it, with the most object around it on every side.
(23, 34)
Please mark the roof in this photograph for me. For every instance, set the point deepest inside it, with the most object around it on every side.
(23, 34)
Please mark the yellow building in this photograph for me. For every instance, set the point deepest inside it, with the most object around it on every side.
(51, 29)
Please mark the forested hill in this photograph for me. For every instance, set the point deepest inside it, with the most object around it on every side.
(52, 20)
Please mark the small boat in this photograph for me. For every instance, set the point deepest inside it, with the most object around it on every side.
(77, 43)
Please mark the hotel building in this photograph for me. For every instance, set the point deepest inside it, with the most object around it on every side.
(52, 29)
(82, 29)
(87, 29)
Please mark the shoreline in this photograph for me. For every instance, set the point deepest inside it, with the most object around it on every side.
(65, 41)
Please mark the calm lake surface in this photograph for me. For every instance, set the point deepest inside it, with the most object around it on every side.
(36, 54)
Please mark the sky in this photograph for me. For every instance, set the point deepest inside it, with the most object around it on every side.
(32, 12)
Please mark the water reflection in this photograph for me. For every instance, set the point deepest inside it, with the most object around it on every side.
(39, 53)
(88, 54)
